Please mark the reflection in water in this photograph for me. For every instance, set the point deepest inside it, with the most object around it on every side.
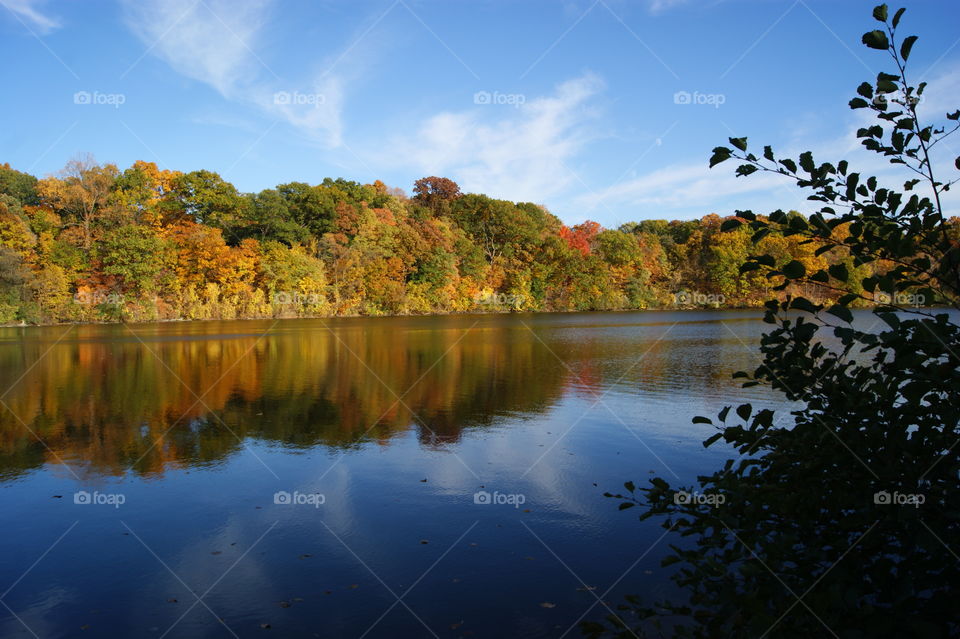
(123, 403)
(107, 399)
(398, 422)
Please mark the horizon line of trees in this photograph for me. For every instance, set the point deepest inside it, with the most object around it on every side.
(94, 243)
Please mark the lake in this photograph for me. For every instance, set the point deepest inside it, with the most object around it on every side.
(375, 477)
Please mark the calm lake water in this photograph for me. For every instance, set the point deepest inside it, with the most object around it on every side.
(178, 441)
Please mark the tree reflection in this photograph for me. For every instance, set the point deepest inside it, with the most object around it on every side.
(108, 400)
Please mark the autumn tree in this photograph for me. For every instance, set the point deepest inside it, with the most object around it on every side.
(80, 193)
(436, 193)
(140, 189)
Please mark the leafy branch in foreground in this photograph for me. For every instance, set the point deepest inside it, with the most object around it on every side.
(839, 523)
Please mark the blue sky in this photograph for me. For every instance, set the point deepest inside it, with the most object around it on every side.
(580, 105)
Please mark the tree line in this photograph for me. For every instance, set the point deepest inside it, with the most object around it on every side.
(94, 243)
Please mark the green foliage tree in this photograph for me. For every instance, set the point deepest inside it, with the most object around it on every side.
(21, 186)
(205, 197)
(134, 255)
(270, 219)
(839, 521)
(309, 206)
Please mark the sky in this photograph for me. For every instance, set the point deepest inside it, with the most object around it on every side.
(598, 109)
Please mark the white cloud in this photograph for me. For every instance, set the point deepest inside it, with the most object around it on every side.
(214, 42)
(691, 189)
(28, 10)
(516, 152)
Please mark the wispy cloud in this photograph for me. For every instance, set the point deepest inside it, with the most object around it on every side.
(29, 11)
(691, 189)
(516, 152)
(214, 42)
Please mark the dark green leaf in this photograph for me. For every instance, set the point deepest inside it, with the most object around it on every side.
(803, 304)
(876, 40)
(710, 440)
(839, 271)
(794, 269)
(842, 312)
(720, 154)
(858, 103)
(740, 143)
(906, 46)
(896, 16)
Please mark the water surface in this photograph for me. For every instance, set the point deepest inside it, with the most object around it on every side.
(398, 425)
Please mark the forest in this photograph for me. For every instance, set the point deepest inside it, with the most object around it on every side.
(97, 244)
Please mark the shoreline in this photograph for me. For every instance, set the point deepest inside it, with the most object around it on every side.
(452, 313)
(333, 317)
